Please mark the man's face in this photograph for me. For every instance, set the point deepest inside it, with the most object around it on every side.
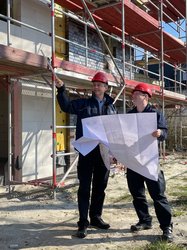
(99, 88)
(139, 98)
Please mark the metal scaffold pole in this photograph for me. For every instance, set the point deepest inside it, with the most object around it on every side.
(103, 40)
(9, 132)
(8, 23)
(162, 68)
(186, 43)
(123, 51)
(53, 97)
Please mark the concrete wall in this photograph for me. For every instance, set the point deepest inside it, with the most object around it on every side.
(36, 133)
(35, 14)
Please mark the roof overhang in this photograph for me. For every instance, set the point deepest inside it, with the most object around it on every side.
(142, 29)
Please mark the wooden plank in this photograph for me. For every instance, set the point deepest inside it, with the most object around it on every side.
(24, 57)
(20, 63)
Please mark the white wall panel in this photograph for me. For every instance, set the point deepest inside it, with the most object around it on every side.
(34, 14)
(36, 137)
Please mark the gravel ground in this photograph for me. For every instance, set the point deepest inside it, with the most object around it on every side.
(31, 219)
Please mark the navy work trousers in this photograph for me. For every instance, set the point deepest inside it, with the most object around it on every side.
(156, 189)
(92, 173)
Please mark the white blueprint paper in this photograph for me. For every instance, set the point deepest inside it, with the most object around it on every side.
(127, 137)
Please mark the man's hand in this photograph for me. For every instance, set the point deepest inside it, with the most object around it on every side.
(59, 83)
(157, 133)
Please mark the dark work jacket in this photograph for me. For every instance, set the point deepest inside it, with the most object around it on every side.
(161, 122)
(83, 107)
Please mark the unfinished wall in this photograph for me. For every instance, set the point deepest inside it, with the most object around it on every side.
(97, 52)
(36, 133)
(35, 14)
(76, 33)
(177, 128)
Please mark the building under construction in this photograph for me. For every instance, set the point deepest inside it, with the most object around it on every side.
(132, 41)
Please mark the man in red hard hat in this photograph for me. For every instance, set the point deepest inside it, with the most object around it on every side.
(91, 169)
(140, 98)
(100, 77)
(144, 88)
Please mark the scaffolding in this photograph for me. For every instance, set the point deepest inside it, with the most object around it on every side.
(146, 39)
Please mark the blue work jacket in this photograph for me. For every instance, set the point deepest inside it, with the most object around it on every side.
(84, 107)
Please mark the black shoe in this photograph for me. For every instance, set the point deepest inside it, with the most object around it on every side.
(140, 226)
(81, 232)
(99, 223)
(167, 234)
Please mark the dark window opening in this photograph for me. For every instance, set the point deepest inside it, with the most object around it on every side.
(3, 9)
(15, 10)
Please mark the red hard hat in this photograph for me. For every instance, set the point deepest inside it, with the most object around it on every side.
(100, 77)
(143, 87)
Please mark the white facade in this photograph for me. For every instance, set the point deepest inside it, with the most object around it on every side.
(32, 13)
(36, 104)
(36, 133)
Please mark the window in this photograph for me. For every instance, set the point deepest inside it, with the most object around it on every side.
(3, 9)
(15, 9)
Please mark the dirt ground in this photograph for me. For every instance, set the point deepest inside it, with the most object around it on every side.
(30, 219)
